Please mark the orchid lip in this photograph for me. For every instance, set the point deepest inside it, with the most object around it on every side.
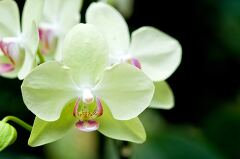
(87, 118)
(5, 68)
(10, 48)
(87, 126)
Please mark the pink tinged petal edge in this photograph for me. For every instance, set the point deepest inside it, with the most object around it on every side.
(135, 62)
(99, 109)
(4, 68)
(87, 126)
(75, 110)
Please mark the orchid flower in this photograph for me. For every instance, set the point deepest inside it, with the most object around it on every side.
(18, 44)
(125, 7)
(155, 53)
(59, 16)
(81, 91)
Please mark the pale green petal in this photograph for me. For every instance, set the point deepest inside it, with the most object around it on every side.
(32, 12)
(47, 89)
(52, 9)
(127, 130)
(86, 53)
(44, 132)
(30, 43)
(9, 18)
(158, 53)
(126, 90)
(31, 39)
(58, 52)
(163, 96)
(65, 13)
(69, 14)
(112, 25)
(28, 64)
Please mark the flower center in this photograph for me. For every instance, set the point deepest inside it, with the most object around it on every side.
(87, 112)
(48, 38)
(10, 48)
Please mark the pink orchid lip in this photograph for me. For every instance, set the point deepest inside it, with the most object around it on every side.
(86, 118)
(5, 68)
(135, 62)
(87, 126)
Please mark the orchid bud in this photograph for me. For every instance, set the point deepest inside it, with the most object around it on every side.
(8, 135)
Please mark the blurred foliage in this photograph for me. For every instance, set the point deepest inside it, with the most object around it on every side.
(224, 19)
(77, 145)
(222, 127)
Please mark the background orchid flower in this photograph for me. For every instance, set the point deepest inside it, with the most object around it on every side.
(18, 44)
(155, 53)
(125, 7)
(81, 91)
(59, 16)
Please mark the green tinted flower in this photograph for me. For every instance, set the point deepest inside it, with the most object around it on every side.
(18, 44)
(59, 16)
(82, 91)
(154, 52)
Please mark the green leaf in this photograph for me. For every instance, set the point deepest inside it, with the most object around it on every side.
(126, 90)
(112, 25)
(47, 89)
(9, 18)
(44, 132)
(86, 53)
(127, 130)
(158, 53)
(32, 12)
(163, 96)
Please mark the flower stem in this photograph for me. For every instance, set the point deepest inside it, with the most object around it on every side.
(18, 121)
(41, 57)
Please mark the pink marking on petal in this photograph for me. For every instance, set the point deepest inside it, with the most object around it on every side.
(135, 62)
(46, 37)
(3, 47)
(4, 68)
(40, 33)
(75, 110)
(9, 50)
(87, 126)
(99, 109)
